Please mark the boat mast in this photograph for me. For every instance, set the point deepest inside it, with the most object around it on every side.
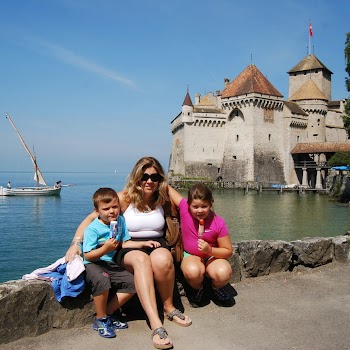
(38, 176)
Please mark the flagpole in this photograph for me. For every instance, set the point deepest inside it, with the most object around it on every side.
(310, 35)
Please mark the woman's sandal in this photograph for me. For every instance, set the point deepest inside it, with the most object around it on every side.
(177, 313)
(162, 333)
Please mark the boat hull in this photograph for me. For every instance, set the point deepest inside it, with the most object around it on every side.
(30, 191)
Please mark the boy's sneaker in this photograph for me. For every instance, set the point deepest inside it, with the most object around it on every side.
(222, 296)
(117, 321)
(104, 327)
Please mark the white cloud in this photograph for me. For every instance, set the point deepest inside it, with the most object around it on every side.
(81, 62)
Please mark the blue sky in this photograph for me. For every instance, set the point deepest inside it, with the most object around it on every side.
(93, 85)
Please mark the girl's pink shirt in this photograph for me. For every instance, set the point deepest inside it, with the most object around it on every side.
(214, 228)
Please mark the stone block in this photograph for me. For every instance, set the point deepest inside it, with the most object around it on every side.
(341, 248)
(313, 252)
(29, 308)
(264, 257)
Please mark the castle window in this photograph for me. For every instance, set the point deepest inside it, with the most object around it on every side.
(210, 164)
(298, 138)
(234, 157)
(237, 137)
(269, 137)
(268, 115)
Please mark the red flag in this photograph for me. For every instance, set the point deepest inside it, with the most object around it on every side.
(310, 29)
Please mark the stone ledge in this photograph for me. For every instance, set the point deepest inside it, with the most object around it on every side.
(30, 307)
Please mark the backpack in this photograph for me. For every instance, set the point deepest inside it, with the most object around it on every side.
(173, 230)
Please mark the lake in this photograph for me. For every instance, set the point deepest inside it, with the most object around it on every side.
(36, 231)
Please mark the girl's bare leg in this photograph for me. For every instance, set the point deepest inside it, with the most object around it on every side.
(193, 269)
(219, 271)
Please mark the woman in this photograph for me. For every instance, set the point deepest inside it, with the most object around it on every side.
(141, 204)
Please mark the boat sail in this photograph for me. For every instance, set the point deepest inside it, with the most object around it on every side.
(43, 190)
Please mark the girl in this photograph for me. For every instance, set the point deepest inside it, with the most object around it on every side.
(204, 254)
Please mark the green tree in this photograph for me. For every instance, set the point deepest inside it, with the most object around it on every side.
(340, 158)
(346, 117)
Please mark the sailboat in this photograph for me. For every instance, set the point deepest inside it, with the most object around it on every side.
(38, 190)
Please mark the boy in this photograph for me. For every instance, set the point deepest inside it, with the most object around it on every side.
(102, 273)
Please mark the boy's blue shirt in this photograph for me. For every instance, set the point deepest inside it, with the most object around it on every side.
(98, 232)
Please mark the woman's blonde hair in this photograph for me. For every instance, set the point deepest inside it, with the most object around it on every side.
(134, 191)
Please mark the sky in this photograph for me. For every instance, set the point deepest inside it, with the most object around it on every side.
(93, 85)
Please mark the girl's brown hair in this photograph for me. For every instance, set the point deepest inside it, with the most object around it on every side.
(200, 191)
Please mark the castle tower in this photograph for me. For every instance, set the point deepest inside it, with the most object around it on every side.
(310, 68)
(253, 139)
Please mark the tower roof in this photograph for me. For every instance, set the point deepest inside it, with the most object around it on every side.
(249, 81)
(308, 91)
(187, 100)
(309, 63)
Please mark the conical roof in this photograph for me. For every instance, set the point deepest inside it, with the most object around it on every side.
(249, 81)
(187, 100)
(308, 91)
(310, 62)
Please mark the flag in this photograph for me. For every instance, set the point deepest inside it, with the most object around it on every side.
(310, 29)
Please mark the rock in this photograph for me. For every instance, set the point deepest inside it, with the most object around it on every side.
(263, 257)
(313, 252)
(29, 308)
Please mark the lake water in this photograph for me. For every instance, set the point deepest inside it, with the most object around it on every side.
(36, 231)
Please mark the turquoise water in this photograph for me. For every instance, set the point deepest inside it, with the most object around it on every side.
(36, 231)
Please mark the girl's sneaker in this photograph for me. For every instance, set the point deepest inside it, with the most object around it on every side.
(196, 297)
(104, 327)
(222, 296)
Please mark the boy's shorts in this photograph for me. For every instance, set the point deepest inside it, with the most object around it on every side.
(103, 275)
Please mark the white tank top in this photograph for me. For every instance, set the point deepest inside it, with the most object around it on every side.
(144, 225)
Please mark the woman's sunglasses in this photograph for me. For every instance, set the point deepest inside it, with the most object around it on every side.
(154, 177)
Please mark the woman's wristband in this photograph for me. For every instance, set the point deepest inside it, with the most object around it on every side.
(77, 241)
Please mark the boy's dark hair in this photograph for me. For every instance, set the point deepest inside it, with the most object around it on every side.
(104, 195)
(200, 191)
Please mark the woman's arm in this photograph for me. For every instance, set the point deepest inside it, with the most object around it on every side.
(175, 196)
(75, 246)
(140, 244)
(123, 204)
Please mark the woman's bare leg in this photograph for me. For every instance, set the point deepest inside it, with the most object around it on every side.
(164, 276)
(139, 263)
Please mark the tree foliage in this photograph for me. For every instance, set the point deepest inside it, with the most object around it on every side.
(346, 117)
(340, 158)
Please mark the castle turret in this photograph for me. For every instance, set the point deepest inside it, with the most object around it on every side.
(187, 109)
(310, 67)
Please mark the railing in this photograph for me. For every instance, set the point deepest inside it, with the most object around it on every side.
(311, 164)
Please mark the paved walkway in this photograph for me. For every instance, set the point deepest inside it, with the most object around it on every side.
(307, 310)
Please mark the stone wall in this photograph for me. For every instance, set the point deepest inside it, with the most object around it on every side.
(29, 308)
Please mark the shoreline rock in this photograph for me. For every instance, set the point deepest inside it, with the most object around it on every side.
(30, 307)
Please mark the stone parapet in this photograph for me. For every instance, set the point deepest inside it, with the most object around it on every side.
(29, 308)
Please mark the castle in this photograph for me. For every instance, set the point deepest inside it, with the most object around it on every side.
(248, 133)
